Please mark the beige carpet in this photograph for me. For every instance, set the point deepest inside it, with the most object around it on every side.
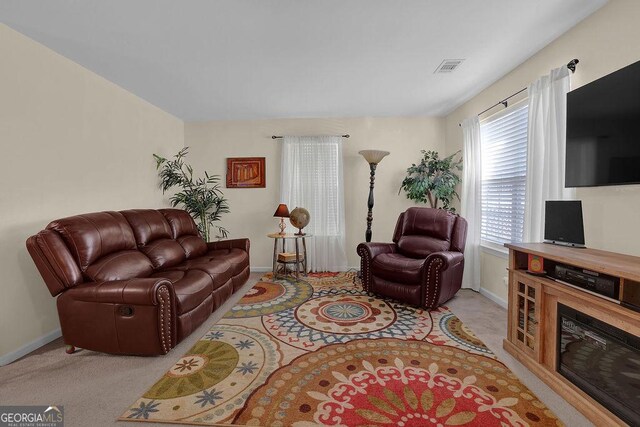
(95, 388)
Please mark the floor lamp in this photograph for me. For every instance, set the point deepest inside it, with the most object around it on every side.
(373, 157)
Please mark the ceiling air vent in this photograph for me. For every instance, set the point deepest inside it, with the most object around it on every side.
(448, 65)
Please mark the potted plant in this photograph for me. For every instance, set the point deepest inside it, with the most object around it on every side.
(201, 197)
(433, 180)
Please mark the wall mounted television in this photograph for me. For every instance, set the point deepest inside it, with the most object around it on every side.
(603, 131)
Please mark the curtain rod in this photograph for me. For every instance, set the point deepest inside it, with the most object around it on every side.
(571, 66)
(280, 137)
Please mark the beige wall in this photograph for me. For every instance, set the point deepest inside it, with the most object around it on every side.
(72, 142)
(252, 209)
(604, 42)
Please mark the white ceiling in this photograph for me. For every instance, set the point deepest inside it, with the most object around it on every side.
(246, 59)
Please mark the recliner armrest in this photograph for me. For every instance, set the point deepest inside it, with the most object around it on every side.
(132, 291)
(443, 276)
(372, 250)
(449, 258)
(243, 244)
(367, 252)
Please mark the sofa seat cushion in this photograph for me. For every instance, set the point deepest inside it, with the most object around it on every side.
(219, 270)
(191, 287)
(236, 257)
(396, 267)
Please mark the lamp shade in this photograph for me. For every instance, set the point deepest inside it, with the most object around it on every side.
(282, 211)
(373, 156)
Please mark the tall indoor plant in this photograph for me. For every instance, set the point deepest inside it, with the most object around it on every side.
(201, 197)
(433, 180)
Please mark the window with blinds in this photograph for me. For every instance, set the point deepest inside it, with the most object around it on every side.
(504, 169)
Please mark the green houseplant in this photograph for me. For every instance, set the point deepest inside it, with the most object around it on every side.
(201, 197)
(433, 180)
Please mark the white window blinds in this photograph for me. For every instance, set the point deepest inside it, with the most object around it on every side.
(504, 169)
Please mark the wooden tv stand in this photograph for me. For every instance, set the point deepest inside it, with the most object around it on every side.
(532, 313)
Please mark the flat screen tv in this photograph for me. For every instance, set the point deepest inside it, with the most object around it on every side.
(563, 224)
(603, 131)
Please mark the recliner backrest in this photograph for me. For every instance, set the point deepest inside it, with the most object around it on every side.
(185, 231)
(422, 231)
(103, 245)
(459, 235)
(154, 237)
(54, 261)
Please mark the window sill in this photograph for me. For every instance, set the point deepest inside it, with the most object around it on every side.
(494, 249)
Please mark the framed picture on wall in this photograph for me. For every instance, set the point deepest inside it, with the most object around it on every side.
(246, 172)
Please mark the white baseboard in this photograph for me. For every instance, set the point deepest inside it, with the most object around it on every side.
(7, 358)
(493, 297)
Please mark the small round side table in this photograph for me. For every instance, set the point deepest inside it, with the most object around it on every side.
(300, 259)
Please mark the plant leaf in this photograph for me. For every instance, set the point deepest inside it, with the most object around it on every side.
(201, 197)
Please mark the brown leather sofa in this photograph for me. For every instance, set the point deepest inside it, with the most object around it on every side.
(424, 264)
(136, 281)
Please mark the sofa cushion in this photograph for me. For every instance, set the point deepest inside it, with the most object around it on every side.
(185, 231)
(121, 265)
(238, 258)
(154, 237)
(219, 270)
(94, 235)
(424, 231)
(164, 253)
(436, 223)
(421, 246)
(191, 287)
(193, 246)
(397, 268)
(181, 223)
(147, 225)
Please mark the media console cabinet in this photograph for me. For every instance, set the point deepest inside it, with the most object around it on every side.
(533, 312)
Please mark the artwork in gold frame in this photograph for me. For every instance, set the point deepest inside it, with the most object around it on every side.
(246, 172)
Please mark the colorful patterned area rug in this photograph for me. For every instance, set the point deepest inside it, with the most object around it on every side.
(320, 351)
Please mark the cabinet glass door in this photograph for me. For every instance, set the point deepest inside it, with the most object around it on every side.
(527, 297)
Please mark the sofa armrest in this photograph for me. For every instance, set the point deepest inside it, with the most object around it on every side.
(132, 291)
(371, 250)
(447, 258)
(442, 277)
(136, 316)
(243, 244)
(367, 252)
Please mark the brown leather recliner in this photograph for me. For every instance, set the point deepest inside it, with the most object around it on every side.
(136, 281)
(424, 264)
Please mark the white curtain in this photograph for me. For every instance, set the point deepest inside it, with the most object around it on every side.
(471, 206)
(546, 149)
(312, 178)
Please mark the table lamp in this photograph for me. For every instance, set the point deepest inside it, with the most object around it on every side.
(282, 212)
